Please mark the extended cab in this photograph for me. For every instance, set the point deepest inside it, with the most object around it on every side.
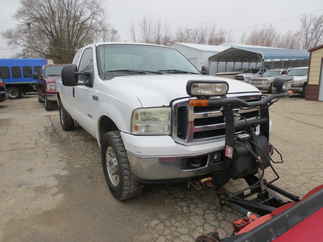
(132, 98)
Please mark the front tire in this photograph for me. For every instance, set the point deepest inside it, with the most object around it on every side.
(117, 172)
(66, 119)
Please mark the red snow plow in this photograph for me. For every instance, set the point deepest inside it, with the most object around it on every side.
(271, 213)
(300, 221)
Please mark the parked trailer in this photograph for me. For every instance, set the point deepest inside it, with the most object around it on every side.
(20, 75)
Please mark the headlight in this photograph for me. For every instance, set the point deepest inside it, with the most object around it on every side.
(207, 88)
(151, 121)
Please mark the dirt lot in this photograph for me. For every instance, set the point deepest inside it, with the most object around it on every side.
(52, 186)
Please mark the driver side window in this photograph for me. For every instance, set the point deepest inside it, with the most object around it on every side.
(86, 64)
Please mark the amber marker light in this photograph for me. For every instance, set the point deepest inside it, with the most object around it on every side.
(199, 102)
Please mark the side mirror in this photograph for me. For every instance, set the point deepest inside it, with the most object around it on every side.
(204, 70)
(70, 75)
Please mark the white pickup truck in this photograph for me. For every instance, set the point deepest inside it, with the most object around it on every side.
(133, 99)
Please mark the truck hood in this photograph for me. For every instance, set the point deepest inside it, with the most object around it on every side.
(160, 90)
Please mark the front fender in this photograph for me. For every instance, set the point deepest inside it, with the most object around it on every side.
(119, 112)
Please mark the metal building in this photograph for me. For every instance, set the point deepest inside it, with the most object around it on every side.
(314, 89)
(242, 57)
(199, 54)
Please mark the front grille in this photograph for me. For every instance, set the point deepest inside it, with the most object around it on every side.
(202, 124)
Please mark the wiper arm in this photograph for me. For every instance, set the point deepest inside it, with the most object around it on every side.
(178, 71)
(134, 71)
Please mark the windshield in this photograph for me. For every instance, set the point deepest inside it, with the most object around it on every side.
(271, 73)
(141, 59)
(297, 72)
(53, 70)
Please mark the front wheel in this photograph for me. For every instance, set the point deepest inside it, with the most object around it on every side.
(117, 172)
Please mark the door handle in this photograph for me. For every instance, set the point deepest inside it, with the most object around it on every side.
(95, 98)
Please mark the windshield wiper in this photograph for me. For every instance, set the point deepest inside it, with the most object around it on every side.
(133, 71)
(178, 71)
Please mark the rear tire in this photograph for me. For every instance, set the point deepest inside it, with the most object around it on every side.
(117, 172)
(66, 119)
(49, 105)
(13, 93)
(40, 100)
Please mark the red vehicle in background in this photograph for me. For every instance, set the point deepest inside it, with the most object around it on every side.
(47, 86)
(3, 92)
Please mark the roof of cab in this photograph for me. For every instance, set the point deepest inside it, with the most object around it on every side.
(128, 43)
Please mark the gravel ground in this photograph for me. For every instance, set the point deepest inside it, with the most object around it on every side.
(52, 186)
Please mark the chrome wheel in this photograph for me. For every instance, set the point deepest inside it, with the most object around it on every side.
(112, 166)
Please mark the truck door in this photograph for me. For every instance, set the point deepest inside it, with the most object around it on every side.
(68, 93)
(84, 92)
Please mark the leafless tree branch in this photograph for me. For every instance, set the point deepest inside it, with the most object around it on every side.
(55, 29)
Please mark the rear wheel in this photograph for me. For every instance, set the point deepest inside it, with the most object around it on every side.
(119, 178)
(14, 92)
(66, 119)
(49, 105)
(40, 100)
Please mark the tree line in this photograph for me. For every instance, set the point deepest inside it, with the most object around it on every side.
(309, 34)
(56, 29)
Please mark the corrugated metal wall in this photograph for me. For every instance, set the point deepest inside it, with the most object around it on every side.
(315, 68)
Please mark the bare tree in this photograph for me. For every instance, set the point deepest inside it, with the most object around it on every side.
(217, 37)
(193, 35)
(150, 31)
(266, 36)
(55, 29)
(203, 35)
(289, 40)
(133, 33)
(311, 30)
(109, 34)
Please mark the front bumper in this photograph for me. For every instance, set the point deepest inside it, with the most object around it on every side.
(296, 89)
(160, 158)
